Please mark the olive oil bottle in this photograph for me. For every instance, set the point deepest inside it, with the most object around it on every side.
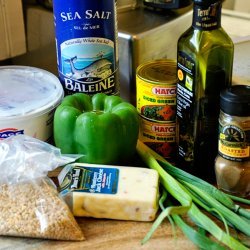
(204, 68)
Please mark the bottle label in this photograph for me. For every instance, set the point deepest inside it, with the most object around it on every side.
(185, 106)
(234, 143)
(89, 180)
(207, 17)
(197, 112)
(86, 44)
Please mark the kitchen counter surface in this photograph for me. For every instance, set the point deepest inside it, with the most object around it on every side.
(120, 235)
(104, 234)
(108, 234)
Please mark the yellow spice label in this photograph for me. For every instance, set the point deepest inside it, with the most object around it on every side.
(233, 142)
(234, 152)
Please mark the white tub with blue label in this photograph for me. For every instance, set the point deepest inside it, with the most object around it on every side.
(28, 99)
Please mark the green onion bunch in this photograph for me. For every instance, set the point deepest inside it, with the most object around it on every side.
(185, 194)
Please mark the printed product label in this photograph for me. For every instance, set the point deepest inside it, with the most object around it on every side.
(159, 136)
(185, 105)
(207, 17)
(7, 132)
(234, 143)
(86, 41)
(90, 180)
(156, 102)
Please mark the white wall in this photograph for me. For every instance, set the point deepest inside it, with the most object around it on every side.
(238, 5)
(228, 4)
(242, 5)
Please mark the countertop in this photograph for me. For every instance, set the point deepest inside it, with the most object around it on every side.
(105, 234)
(108, 234)
(111, 234)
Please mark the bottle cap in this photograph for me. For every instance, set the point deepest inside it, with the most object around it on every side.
(236, 100)
(206, 2)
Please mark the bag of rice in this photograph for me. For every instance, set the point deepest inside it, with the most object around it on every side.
(29, 202)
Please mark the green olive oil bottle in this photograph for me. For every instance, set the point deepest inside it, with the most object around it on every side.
(205, 62)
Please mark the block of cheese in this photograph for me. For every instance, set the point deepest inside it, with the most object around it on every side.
(101, 191)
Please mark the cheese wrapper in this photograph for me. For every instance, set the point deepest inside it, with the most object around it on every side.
(112, 192)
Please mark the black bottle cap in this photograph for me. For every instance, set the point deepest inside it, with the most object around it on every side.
(206, 2)
(236, 100)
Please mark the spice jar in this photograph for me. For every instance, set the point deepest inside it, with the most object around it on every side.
(232, 165)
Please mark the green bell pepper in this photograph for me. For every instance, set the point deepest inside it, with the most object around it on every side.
(104, 129)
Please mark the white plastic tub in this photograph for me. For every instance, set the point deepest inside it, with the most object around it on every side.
(28, 98)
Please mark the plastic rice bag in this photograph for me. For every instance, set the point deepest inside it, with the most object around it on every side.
(29, 202)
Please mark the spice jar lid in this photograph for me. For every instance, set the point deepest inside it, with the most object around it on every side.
(236, 100)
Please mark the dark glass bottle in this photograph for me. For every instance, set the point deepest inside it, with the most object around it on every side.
(205, 60)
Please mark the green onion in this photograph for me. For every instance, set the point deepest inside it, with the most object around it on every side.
(182, 175)
(197, 237)
(242, 200)
(165, 213)
(172, 185)
(161, 204)
(202, 203)
(180, 192)
(225, 199)
(232, 217)
(210, 226)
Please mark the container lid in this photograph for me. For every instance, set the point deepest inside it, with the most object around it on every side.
(206, 2)
(236, 100)
(27, 91)
(161, 71)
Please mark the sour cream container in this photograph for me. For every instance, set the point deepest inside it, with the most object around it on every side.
(28, 99)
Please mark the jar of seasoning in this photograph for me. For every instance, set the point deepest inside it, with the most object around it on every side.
(232, 165)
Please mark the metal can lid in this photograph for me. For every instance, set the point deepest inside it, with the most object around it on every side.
(161, 71)
(236, 100)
